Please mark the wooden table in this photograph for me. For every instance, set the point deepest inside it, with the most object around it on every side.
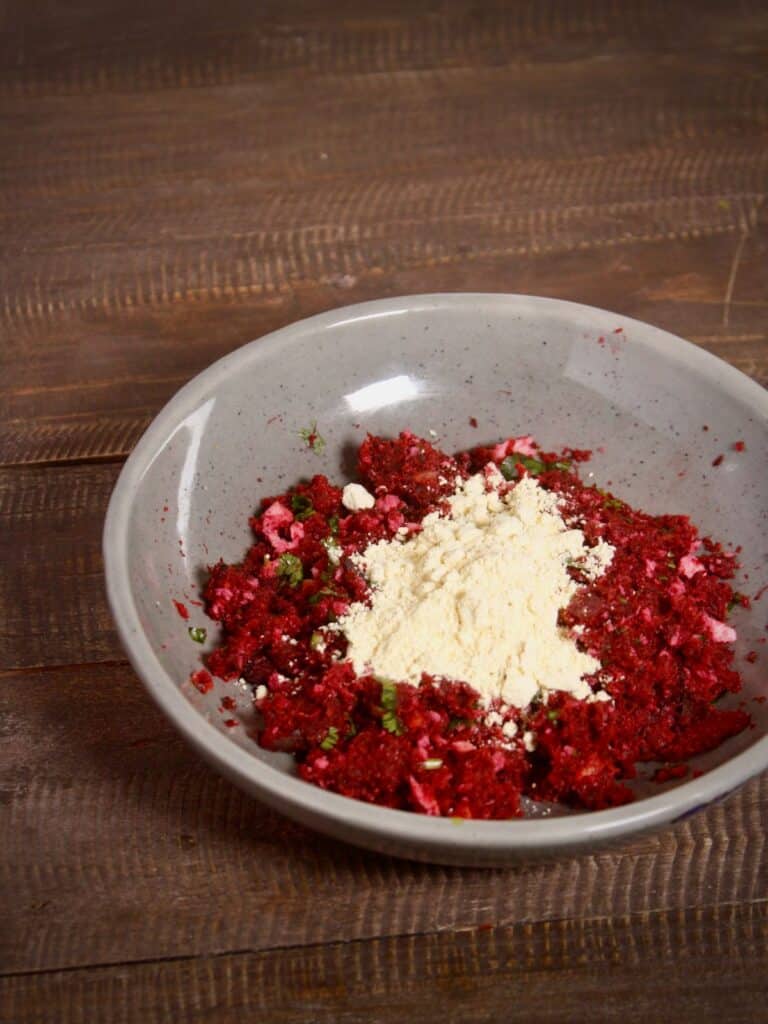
(180, 178)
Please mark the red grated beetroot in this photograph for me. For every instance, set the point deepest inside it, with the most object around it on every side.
(655, 620)
(202, 681)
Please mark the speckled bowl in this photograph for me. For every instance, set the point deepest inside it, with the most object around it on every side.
(657, 409)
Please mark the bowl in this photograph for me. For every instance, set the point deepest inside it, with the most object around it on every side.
(657, 411)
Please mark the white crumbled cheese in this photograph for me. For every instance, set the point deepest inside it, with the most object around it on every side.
(475, 595)
(355, 497)
(334, 551)
(509, 729)
(529, 742)
(261, 692)
(493, 718)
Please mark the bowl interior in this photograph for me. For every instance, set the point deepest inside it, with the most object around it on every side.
(656, 412)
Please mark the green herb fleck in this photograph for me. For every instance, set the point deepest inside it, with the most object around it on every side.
(198, 634)
(458, 723)
(302, 506)
(736, 601)
(312, 439)
(509, 467)
(316, 640)
(331, 739)
(432, 763)
(553, 715)
(389, 719)
(333, 525)
(290, 569)
(615, 503)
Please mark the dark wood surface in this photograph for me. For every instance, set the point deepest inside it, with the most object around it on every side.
(178, 179)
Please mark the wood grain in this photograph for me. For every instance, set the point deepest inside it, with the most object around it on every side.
(704, 965)
(138, 46)
(126, 847)
(85, 391)
(177, 181)
(52, 595)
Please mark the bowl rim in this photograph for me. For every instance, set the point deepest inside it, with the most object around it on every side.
(332, 812)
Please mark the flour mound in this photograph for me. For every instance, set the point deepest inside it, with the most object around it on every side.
(475, 595)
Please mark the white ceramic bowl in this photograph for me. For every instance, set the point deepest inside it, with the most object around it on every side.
(568, 374)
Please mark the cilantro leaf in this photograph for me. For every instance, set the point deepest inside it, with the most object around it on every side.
(458, 723)
(389, 719)
(331, 739)
(302, 506)
(509, 466)
(290, 569)
(198, 634)
(313, 439)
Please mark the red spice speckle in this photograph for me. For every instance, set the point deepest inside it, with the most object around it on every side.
(618, 330)
(473, 422)
(705, 426)
(181, 609)
(738, 446)
(718, 460)
(202, 680)
(228, 703)
(751, 657)
(231, 722)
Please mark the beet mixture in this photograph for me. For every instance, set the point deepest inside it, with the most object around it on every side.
(655, 620)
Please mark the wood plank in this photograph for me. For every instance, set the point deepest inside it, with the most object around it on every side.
(52, 589)
(129, 46)
(120, 845)
(88, 387)
(254, 212)
(704, 965)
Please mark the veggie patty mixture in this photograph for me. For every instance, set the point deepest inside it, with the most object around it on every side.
(635, 656)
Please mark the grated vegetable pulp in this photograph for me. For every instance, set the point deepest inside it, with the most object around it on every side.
(643, 619)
